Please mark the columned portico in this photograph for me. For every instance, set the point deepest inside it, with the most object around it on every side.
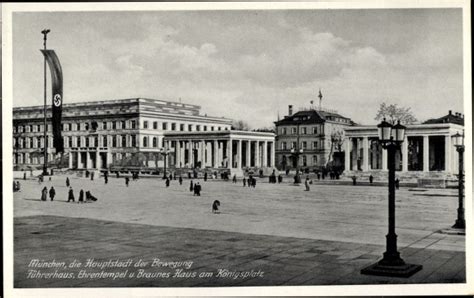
(233, 150)
(426, 148)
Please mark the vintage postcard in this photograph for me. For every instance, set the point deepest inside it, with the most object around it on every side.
(237, 148)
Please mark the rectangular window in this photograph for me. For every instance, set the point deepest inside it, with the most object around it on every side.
(114, 125)
(165, 125)
(155, 125)
(114, 141)
(104, 141)
(134, 141)
(315, 145)
(315, 160)
(303, 130)
(181, 127)
(205, 127)
(173, 126)
(212, 128)
(70, 142)
(87, 142)
(293, 145)
(315, 130)
(219, 128)
(293, 130)
(198, 127)
(190, 127)
(304, 161)
(123, 126)
(303, 145)
(78, 141)
(283, 145)
(39, 128)
(104, 125)
(124, 141)
(145, 124)
(133, 124)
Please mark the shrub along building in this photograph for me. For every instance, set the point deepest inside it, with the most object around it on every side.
(310, 139)
(137, 133)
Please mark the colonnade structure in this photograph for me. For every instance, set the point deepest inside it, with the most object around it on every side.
(427, 148)
(230, 149)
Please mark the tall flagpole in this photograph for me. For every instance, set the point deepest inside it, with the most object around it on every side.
(45, 166)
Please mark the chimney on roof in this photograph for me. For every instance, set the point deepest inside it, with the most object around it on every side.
(290, 110)
(450, 112)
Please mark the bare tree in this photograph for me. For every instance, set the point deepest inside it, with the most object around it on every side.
(392, 113)
(240, 125)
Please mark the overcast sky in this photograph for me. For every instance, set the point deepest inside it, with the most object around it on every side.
(250, 65)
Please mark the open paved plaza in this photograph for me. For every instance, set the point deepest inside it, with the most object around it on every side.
(274, 234)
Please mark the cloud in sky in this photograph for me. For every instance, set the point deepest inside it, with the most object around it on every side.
(250, 65)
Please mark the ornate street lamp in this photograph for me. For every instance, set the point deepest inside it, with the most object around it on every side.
(391, 264)
(458, 141)
(165, 152)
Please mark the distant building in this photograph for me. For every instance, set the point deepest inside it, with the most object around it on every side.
(130, 132)
(310, 139)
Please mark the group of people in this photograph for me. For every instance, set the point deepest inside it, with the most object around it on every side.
(44, 193)
(195, 188)
(250, 181)
(88, 196)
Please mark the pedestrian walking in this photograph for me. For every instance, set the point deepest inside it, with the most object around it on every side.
(280, 179)
(397, 183)
(254, 182)
(70, 195)
(67, 182)
(167, 182)
(205, 176)
(191, 186)
(52, 193)
(44, 194)
(117, 174)
(81, 197)
(244, 181)
(180, 180)
(371, 179)
(306, 184)
(106, 179)
(127, 180)
(92, 176)
(24, 175)
(234, 179)
(197, 189)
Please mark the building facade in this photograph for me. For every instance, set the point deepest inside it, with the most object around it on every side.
(427, 147)
(309, 138)
(128, 132)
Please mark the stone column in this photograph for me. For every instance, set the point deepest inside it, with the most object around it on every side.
(365, 153)
(191, 153)
(177, 153)
(347, 159)
(426, 154)
(272, 154)
(203, 153)
(264, 153)
(257, 154)
(70, 159)
(384, 159)
(229, 153)
(239, 154)
(215, 160)
(247, 152)
(355, 157)
(405, 155)
(447, 153)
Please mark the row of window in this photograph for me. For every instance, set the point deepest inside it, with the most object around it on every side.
(304, 145)
(123, 124)
(304, 160)
(303, 130)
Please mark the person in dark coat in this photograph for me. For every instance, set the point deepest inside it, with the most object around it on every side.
(117, 174)
(306, 184)
(234, 179)
(354, 180)
(167, 182)
(52, 193)
(180, 180)
(205, 176)
(371, 179)
(106, 179)
(81, 197)
(197, 189)
(24, 176)
(92, 176)
(397, 183)
(254, 182)
(67, 182)
(127, 180)
(191, 186)
(44, 194)
(280, 179)
(244, 181)
(70, 195)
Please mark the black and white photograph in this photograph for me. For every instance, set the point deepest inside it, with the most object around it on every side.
(250, 148)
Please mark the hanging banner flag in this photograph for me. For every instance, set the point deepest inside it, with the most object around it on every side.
(57, 97)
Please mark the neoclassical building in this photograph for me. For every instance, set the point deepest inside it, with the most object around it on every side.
(427, 147)
(130, 132)
(309, 138)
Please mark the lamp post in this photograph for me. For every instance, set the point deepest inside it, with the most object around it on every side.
(459, 144)
(165, 152)
(391, 137)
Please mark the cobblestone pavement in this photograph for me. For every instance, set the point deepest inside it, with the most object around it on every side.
(324, 236)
